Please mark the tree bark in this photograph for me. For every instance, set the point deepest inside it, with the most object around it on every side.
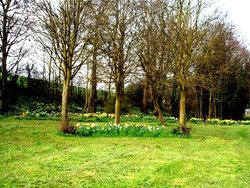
(117, 108)
(87, 93)
(214, 107)
(65, 101)
(118, 102)
(182, 115)
(3, 87)
(210, 104)
(144, 99)
(93, 93)
(201, 105)
(156, 105)
(4, 63)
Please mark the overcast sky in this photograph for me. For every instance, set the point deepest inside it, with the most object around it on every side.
(239, 13)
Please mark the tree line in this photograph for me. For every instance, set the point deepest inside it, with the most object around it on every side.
(184, 60)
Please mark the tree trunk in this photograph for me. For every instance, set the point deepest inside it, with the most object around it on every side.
(85, 109)
(221, 106)
(182, 115)
(109, 90)
(117, 108)
(156, 105)
(93, 95)
(3, 88)
(210, 104)
(4, 63)
(144, 99)
(200, 101)
(86, 104)
(58, 84)
(214, 108)
(65, 102)
(49, 81)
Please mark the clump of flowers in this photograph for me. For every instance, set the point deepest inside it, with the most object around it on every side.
(97, 117)
(246, 122)
(104, 114)
(37, 115)
(138, 118)
(219, 122)
(126, 129)
(196, 120)
(105, 117)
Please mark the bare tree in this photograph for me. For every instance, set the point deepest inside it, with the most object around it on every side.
(152, 51)
(14, 27)
(185, 27)
(66, 26)
(119, 37)
(98, 10)
(222, 54)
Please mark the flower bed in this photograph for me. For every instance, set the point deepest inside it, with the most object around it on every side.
(220, 122)
(105, 117)
(126, 129)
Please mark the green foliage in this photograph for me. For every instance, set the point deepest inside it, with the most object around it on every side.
(109, 106)
(134, 94)
(2, 117)
(34, 107)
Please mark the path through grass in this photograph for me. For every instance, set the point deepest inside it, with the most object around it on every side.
(34, 154)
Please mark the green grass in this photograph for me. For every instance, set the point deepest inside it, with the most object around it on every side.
(34, 154)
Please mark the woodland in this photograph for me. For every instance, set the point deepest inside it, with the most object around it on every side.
(168, 58)
(122, 93)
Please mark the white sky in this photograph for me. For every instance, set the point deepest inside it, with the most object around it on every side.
(239, 13)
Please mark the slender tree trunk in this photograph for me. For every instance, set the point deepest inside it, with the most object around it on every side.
(49, 81)
(109, 90)
(210, 104)
(85, 109)
(156, 105)
(144, 99)
(201, 105)
(86, 104)
(221, 106)
(214, 108)
(182, 115)
(93, 95)
(3, 87)
(58, 88)
(4, 63)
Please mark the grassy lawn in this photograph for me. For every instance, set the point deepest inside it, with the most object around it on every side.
(34, 154)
